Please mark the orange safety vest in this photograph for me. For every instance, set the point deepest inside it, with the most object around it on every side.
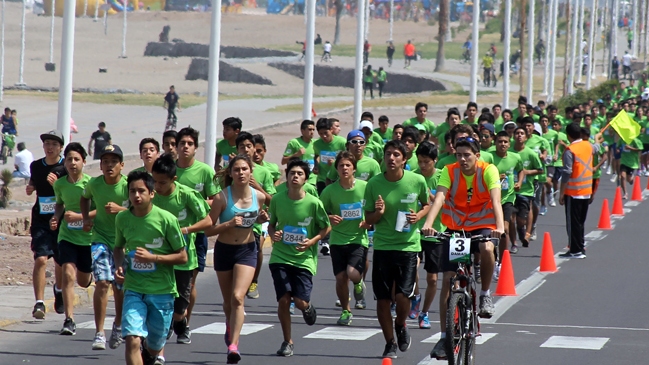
(581, 179)
(460, 214)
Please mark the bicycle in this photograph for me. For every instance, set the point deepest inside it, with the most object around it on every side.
(8, 143)
(494, 78)
(326, 57)
(462, 324)
(466, 56)
(172, 122)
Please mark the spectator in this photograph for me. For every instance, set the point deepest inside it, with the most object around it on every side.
(171, 100)
(615, 68)
(8, 123)
(381, 79)
(367, 48)
(22, 160)
(408, 53)
(390, 53)
(626, 64)
(101, 139)
(317, 40)
(629, 37)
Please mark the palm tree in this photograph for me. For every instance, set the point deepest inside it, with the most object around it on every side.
(443, 29)
(338, 4)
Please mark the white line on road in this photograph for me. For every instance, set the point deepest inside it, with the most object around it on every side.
(569, 342)
(632, 329)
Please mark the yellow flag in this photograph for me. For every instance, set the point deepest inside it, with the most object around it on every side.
(625, 126)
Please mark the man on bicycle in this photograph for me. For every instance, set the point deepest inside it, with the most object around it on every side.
(487, 64)
(473, 208)
(467, 49)
(9, 126)
(171, 101)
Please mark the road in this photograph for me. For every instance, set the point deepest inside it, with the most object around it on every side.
(583, 314)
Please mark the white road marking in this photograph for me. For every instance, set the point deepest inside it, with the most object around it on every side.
(594, 236)
(343, 333)
(108, 324)
(569, 342)
(633, 329)
(632, 203)
(218, 328)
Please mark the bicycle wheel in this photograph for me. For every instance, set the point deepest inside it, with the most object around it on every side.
(455, 335)
(470, 345)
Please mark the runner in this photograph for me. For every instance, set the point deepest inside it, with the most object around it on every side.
(397, 131)
(552, 137)
(343, 201)
(471, 113)
(383, 130)
(629, 163)
(227, 148)
(390, 203)
(171, 100)
(258, 158)
(421, 109)
(100, 138)
(325, 149)
(452, 119)
(191, 211)
(297, 222)
(200, 177)
(109, 193)
(409, 138)
(302, 147)
(475, 210)
(238, 207)
(462, 131)
(74, 243)
(374, 142)
(149, 152)
(148, 242)
(366, 167)
(169, 143)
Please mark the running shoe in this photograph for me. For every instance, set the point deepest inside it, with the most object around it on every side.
(310, 315)
(99, 343)
(291, 309)
(403, 338)
(184, 338)
(552, 202)
(253, 293)
(646, 173)
(543, 210)
(324, 250)
(58, 300)
(393, 309)
(614, 178)
(234, 356)
(285, 350)
(568, 255)
(115, 337)
(360, 304)
(424, 322)
(533, 234)
(338, 304)
(486, 307)
(345, 318)
(69, 328)
(414, 307)
(359, 290)
(439, 350)
(390, 351)
(39, 310)
(160, 360)
(513, 249)
(179, 326)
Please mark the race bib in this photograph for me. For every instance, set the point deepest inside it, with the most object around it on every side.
(138, 266)
(327, 157)
(226, 160)
(370, 238)
(47, 204)
(351, 211)
(363, 176)
(294, 235)
(459, 250)
(78, 225)
(504, 183)
(402, 222)
(248, 219)
(311, 164)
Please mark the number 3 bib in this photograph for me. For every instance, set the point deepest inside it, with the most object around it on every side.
(459, 250)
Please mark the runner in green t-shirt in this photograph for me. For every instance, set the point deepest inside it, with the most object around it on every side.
(598, 159)
(226, 148)
(325, 149)
(552, 137)
(109, 194)
(421, 109)
(642, 119)
(383, 130)
(302, 147)
(148, 243)
(258, 158)
(75, 256)
(366, 167)
(394, 202)
(374, 141)
(343, 200)
(191, 210)
(409, 138)
(297, 222)
(629, 162)
(462, 131)
(149, 152)
(169, 143)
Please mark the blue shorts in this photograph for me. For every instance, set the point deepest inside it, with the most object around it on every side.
(103, 264)
(148, 316)
(226, 255)
(201, 250)
(290, 279)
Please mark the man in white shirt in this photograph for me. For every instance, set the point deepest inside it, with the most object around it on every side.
(626, 63)
(326, 56)
(22, 160)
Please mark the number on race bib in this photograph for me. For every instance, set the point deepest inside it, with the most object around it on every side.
(351, 211)
(402, 222)
(504, 183)
(78, 225)
(327, 157)
(459, 249)
(47, 204)
(139, 266)
(294, 235)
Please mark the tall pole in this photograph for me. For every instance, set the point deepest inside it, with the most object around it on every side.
(391, 18)
(590, 74)
(580, 40)
(21, 68)
(606, 23)
(548, 37)
(473, 92)
(367, 19)
(616, 17)
(573, 46)
(96, 18)
(646, 32)
(506, 52)
(642, 46)
(85, 8)
(67, 61)
(124, 10)
(358, 70)
(530, 51)
(213, 84)
(308, 63)
(634, 43)
(2, 50)
(553, 49)
(52, 32)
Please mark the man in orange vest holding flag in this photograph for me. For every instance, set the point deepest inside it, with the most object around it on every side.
(576, 188)
(472, 208)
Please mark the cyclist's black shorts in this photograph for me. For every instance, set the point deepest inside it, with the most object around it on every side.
(446, 265)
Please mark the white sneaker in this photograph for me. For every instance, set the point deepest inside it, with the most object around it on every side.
(99, 342)
(608, 170)
(552, 203)
(646, 173)
(614, 178)
(496, 274)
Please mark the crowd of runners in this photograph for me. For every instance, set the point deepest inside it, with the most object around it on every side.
(385, 187)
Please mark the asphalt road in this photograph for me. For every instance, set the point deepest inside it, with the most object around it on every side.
(589, 312)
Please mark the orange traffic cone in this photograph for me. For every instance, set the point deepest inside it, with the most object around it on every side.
(547, 255)
(604, 217)
(617, 203)
(506, 283)
(386, 361)
(637, 190)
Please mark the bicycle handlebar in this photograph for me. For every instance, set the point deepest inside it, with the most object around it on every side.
(447, 236)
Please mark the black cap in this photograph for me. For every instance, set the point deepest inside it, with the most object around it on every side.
(53, 134)
(112, 149)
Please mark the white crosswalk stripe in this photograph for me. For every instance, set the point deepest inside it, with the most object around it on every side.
(344, 333)
(570, 342)
(218, 328)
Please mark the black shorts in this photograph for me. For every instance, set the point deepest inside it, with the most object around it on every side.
(522, 205)
(645, 147)
(558, 171)
(201, 250)
(626, 169)
(394, 268)
(537, 193)
(227, 255)
(508, 211)
(184, 287)
(432, 256)
(353, 255)
(549, 171)
(290, 279)
(80, 256)
(44, 242)
(320, 186)
(475, 248)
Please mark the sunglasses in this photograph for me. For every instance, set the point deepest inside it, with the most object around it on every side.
(468, 139)
(357, 141)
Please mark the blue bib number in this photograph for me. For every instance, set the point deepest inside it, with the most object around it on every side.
(294, 235)
(47, 204)
(139, 266)
(351, 211)
(327, 157)
(311, 164)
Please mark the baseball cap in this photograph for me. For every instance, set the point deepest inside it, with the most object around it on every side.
(365, 124)
(419, 127)
(538, 129)
(488, 126)
(53, 134)
(112, 149)
(510, 123)
(600, 101)
(355, 133)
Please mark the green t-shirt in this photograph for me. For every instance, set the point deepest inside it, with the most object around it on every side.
(498, 124)
(644, 123)
(200, 177)
(484, 156)
(366, 168)
(374, 151)
(596, 158)
(600, 121)
(630, 158)
(273, 168)
(552, 137)
(387, 136)
(428, 125)
(374, 138)
(564, 138)
(399, 197)
(530, 161)
(347, 204)
(508, 165)
(69, 194)
(264, 177)
(189, 207)
(431, 183)
(440, 132)
(225, 149)
(411, 165)
(327, 153)
(310, 189)
(294, 145)
(159, 232)
(299, 220)
(141, 168)
(103, 228)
